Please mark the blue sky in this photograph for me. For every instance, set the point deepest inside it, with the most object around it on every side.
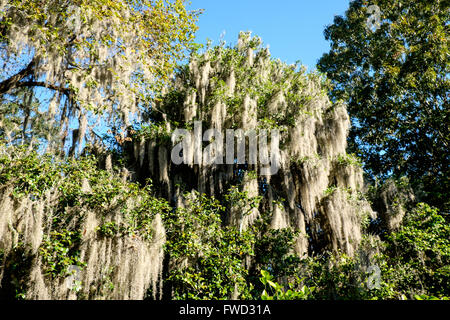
(292, 28)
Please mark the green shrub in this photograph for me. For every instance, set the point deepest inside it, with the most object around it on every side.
(59, 251)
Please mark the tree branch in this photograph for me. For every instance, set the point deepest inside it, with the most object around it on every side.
(63, 90)
(13, 81)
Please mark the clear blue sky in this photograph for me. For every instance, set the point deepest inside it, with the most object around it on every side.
(292, 28)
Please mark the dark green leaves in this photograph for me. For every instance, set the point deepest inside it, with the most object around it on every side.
(395, 82)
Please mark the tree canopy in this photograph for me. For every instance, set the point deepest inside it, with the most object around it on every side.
(395, 80)
(133, 220)
(79, 59)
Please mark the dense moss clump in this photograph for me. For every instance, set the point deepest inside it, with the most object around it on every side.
(69, 215)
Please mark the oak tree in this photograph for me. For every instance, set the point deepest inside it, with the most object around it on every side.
(83, 59)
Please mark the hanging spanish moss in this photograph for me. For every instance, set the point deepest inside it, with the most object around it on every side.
(71, 243)
(285, 155)
(318, 187)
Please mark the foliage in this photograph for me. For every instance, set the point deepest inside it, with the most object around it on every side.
(419, 253)
(426, 297)
(82, 58)
(217, 261)
(71, 187)
(211, 255)
(395, 82)
(15, 266)
(31, 175)
(349, 159)
(140, 214)
(273, 254)
(241, 199)
(335, 277)
(206, 257)
(21, 121)
(109, 229)
(26, 171)
(413, 264)
(279, 293)
(290, 81)
(59, 251)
